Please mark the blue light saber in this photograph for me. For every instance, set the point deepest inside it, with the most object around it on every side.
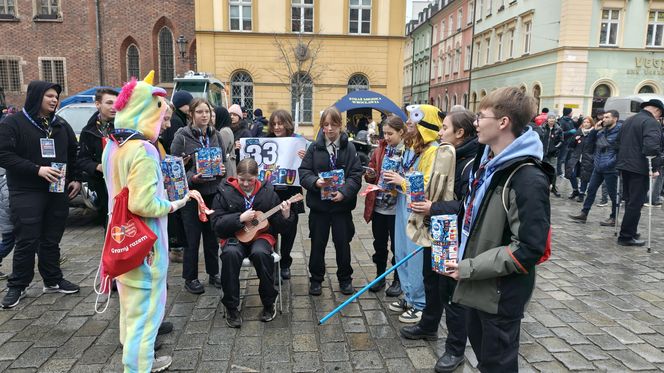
(364, 289)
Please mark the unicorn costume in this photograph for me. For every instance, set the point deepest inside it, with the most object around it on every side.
(134, 162)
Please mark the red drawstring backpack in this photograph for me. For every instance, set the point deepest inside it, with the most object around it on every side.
(128, 242)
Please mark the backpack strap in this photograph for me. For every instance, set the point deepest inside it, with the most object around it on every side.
(509, 178)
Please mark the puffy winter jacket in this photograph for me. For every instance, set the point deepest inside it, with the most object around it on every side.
(606, 147)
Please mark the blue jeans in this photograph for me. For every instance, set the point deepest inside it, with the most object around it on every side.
(611, 179)
(7, 245)
(574, 181)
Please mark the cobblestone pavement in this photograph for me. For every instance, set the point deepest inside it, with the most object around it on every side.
(597, 307)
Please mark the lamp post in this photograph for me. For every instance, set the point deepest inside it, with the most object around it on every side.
(182, 46)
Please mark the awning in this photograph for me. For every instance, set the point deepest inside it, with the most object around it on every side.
(369, 99)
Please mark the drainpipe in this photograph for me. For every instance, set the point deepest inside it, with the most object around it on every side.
(430, 59)
(412, 67)
(472, 53)
(100, 59)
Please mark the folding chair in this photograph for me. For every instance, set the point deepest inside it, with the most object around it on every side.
(277, 261)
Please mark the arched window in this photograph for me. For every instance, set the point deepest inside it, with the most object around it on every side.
(358, 82)
(600, 94)
(446, 103)
(133, 65)
(647, 89)
(473, 100)
(166, 60)
(537, 92)
(302, 90)
(242, 90)
(454, 100)
(465, 100)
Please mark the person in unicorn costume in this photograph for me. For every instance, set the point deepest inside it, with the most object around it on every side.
(132, 160)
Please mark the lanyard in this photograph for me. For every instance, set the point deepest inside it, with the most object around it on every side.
(103, 127)
(409, 163)
(204, 140)
(48, 131)
(333, 157)
(249, 202)
(474, 186)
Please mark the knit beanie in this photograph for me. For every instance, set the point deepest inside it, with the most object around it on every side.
(567, 111)
(181, 98)
(235, 109)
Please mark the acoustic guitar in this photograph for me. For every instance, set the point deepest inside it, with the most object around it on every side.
(260, 224)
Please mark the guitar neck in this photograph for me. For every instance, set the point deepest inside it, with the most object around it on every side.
(272, 211)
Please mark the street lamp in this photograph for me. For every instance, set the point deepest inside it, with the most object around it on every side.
(182, 46)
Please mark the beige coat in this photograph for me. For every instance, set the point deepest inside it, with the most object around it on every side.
(439, 188)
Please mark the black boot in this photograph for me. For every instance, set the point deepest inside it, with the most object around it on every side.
(380, 285)
(574, 194)
(580, 197)
(582, 217)
(394, 290)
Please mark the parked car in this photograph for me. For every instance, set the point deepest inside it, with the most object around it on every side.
(77, 116)
(202, 85)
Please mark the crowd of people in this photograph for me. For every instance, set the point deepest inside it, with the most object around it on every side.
(493, 170)
(606, 151)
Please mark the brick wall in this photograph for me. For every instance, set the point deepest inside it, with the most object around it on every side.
(73, 37)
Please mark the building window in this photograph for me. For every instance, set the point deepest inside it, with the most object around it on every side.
(465, 100)
(302, 92)
(480, 7)
(48, 9)
(133, 64)
(53, 70)
(10, 74)
(608, 34)
(450, 26)
(528, 28)
(449, 64)
(166, 61)
(478, 52)
(466, 58)
(488, 50)
(647, 89)
(500, 48)
(600, 94)
(358, 82)
(7, 9)
(510, 43)
(489, 7)
(441, 67)
(457, 60)
(469, 13)
(442, 30)
(655, 29)
(240, 15)
(302, 15)
(459, 19)
(360, 17)
(242, 90)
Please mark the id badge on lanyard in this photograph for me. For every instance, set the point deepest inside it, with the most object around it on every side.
(47, 147)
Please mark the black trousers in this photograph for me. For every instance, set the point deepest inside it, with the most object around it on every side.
(39, 222)
(102, 203)
(260, 254)
(343, 231)
(635, 194)
(382, 227)
(194, 228)
(287, 241)
(438, 290)
(495, 341)
(176, 235)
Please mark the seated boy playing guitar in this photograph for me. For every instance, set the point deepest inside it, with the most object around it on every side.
(238, 209)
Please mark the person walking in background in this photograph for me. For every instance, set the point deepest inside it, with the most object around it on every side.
(258, 123)
(199, 134)
(380, 207)
(569, 130)
(239, 128)
(640, 137)
(579, 165)
(281, 125)
(331, 151)
(605, 140)
(542, 117)
(552, 141)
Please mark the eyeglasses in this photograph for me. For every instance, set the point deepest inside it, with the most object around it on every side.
(480, 117)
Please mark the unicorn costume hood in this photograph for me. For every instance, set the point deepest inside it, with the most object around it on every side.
(141, 107)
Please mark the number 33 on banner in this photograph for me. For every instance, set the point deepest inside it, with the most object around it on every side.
(263, 153)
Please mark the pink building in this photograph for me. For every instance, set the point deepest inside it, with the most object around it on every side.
(451, 53)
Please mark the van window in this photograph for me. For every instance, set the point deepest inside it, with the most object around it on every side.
(635, 106)
(197, 89)
(214, 95)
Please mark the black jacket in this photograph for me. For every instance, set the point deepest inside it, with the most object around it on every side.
(91, 148)
(640, 136)
(465, 153)
(178, 120)
(552, 139)
(568, 128)
(20, 146)
(285, 192)
(582, 150)
(229, 204)
(317, 160)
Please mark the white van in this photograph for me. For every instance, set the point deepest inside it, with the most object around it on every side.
(202, 85)
(629, 105)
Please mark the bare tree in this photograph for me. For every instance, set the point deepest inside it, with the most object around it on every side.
(300, 58)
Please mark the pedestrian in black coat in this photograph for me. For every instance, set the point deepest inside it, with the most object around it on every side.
(30, 141)
(580, 161)
(331, 151)
(639, 138)
(552, 141)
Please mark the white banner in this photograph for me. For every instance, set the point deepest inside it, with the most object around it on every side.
(276, 157)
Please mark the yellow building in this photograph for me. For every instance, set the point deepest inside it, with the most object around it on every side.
(349, 44)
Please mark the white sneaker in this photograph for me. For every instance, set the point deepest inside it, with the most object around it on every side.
(399, 305)
(411, 316)
(161, 363)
